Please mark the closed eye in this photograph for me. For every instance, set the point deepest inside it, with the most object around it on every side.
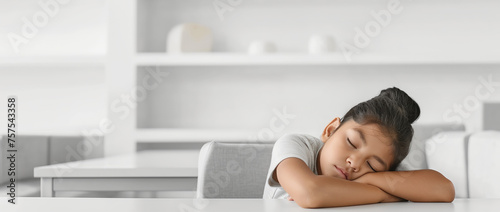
(351, 143)
(371, 166)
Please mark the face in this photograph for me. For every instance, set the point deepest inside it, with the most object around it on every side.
(354, 150)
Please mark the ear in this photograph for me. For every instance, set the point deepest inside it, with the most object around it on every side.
(330, 128)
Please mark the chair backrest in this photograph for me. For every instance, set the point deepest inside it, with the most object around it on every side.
(233, 170)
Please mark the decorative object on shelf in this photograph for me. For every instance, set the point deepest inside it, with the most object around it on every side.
(189, 37)
(321, 44)
(261, 47)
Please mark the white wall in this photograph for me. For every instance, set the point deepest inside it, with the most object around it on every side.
(61, 99)
(77, 27)
(55, 100)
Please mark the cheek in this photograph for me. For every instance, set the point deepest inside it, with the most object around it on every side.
(343, 148)
(337, 150)
(337, 153)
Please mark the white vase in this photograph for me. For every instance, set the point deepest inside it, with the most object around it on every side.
(189, 37)
(321, 44)
(261, 47)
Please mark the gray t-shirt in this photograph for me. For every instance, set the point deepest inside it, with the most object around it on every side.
(304, 147)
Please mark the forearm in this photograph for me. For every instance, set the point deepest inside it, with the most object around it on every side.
(417, 186)
(315, 191)
(332, 192)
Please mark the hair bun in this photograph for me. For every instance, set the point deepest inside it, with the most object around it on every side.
(405, 103)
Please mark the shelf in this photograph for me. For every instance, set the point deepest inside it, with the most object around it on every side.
(223, 59)
(27, 61)
(194, 136)
(241, 59)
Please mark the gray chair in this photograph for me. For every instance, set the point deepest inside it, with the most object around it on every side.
(233, 170)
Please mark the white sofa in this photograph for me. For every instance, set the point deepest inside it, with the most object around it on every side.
(33, 151)
(470, 160)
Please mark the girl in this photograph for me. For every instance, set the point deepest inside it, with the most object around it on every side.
(355, 160)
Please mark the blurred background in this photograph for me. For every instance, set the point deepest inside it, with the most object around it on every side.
(102, 68)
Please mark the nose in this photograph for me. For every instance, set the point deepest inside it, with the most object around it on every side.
(353, 164)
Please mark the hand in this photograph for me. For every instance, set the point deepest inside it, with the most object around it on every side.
(363, 179)
(367, 179)
(392, 198)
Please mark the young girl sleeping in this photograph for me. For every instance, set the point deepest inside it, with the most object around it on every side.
(355, 160)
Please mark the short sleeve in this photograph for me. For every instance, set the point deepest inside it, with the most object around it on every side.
(303, 147)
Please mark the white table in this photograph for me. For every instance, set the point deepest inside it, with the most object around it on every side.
(160, 170)
(223, 205)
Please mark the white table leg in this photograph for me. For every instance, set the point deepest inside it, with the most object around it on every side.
(46, 187)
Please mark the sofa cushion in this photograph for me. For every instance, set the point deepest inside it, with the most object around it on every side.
(32, 151)
(446, 153)
(73, 148)
(484, 165)
(24, 188)
(416, 158)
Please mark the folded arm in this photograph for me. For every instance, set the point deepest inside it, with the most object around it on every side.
(315, 191)
(416, 186)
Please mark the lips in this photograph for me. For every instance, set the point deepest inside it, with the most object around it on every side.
(342, 172)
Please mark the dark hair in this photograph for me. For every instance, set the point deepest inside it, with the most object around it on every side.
(395, 111)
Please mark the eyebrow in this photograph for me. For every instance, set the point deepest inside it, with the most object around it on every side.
(362, 136)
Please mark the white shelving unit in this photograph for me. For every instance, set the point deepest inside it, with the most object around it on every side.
(194, 136)
(235, 59)
(141, 43)
(45, 61)
(334, 59)
(121, 76)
